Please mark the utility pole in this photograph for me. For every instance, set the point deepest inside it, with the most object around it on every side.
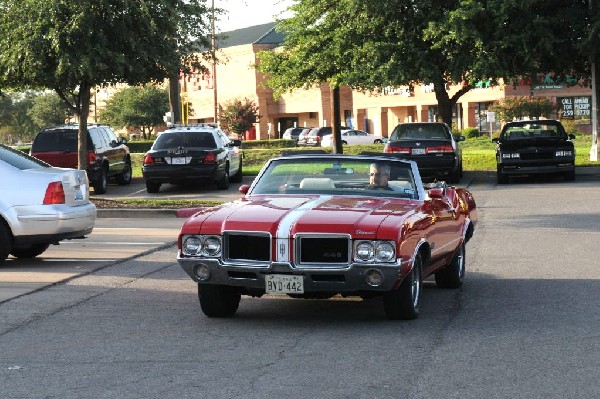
(595, 71)
(214, 63)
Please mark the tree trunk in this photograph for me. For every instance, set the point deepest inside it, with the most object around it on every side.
(84, 111)
(335, 126)
(445, 105)
(174, 101)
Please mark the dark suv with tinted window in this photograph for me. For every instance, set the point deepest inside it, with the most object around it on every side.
(107, 154)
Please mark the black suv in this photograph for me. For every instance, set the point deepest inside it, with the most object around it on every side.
(107, 154)
(534, 147)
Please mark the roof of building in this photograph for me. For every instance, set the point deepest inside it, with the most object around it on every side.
(257, 34)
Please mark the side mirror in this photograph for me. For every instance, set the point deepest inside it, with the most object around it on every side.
(244, 188)
(495, 139)
(460, 138)
(572, 136)
(123, 140)
(237, 143)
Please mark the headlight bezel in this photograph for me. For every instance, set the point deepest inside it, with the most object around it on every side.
(206, 246)
(374, 251)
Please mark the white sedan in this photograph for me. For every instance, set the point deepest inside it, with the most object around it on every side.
(351, 137)
(40, 205)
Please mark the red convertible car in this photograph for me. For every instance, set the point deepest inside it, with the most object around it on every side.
(320, 225)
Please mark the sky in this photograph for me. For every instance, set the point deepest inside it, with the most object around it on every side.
(244, 13)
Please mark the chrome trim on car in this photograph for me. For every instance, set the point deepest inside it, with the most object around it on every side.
(241, 261)
(308, 265)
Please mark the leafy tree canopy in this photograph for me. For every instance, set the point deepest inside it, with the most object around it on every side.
(511, 108)
(140, 107)
(48, 110)
(369, 45)
(70, 46)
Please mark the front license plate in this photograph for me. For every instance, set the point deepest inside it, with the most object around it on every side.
(284, 284)
(418, 151)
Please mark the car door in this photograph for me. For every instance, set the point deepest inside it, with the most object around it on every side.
(115, 151)
(233, 152)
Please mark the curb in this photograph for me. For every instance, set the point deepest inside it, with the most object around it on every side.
(146, 213)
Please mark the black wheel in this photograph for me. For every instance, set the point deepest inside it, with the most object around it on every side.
(102, 182)
(501, 177)
(403, 303)
(452, 275)
(29, 252)
(570, 176)
(124, 177)
(223, 184)
(5, 243)
(152, 187)
(377, 141)
(218, 300)
(237, 178)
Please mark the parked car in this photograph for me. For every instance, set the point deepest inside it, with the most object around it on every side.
(107, 154)
(315, 136)
(351, 137)
(293, 132)
(302, 137)
(193, 154)
(534, 147)
(40, 205)
(432, 146)
(313, 226)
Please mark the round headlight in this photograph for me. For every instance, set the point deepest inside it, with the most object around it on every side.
(191, 245)
(385, 252)
(365, 251)
(212, 246)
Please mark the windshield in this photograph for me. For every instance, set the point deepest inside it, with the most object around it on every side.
(185, 139)
(423, 131)
(536, 130)
(319, 175)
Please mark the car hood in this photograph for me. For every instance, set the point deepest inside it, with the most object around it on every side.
(284, 216)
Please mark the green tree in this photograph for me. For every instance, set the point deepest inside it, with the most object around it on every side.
(140, 107)
(71, 46)
(370, 45)
(511, 108)
(48, 109)
(237, 116)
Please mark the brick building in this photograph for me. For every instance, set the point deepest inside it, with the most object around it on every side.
(237, 79)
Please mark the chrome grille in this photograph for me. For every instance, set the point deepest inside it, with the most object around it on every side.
(246, 246)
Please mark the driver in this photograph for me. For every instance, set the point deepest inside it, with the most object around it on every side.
(379, 175)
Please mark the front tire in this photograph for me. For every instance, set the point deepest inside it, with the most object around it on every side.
(124, 177)
(452, 275)
(501, 177)
(5, 243)
(29, 252)
(218, 300)
(403, 302)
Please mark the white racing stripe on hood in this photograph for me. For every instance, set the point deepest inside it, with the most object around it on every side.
(285, 226)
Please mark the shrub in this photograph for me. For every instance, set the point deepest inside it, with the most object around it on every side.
(471, 132)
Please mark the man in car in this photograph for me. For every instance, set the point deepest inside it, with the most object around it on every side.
(379, 175)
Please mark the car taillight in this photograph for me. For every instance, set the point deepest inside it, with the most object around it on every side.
(55, 194)
(91, 157)
(440, 149)
(317, 138)
(397, 150)
(148, 160)
(210, 158)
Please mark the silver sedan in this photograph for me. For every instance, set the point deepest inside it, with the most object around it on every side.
(40, 205)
